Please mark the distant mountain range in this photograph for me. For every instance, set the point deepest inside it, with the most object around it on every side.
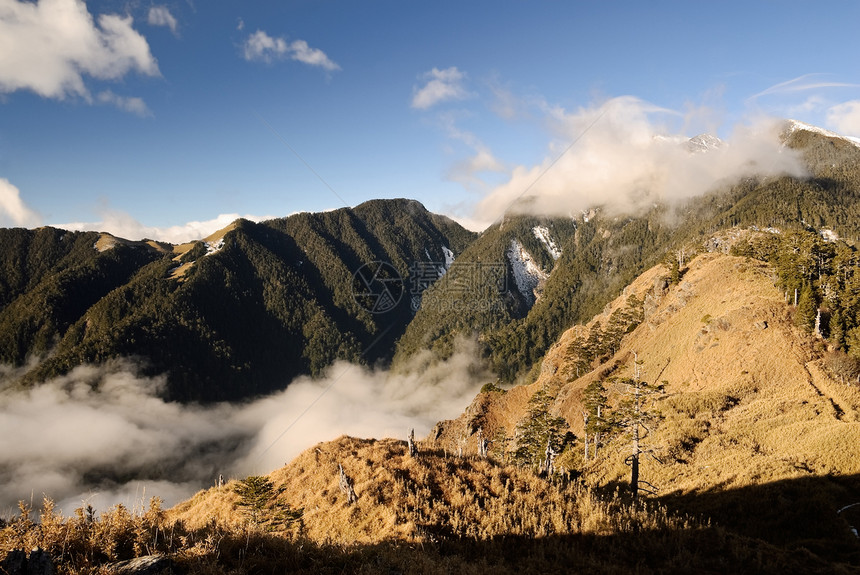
(235, 316)
(242, 312)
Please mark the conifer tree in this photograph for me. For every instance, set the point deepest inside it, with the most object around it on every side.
(258, 497)
(539, 429)
(836, 328)
(637, 417)
(598, 424)
(804, 315)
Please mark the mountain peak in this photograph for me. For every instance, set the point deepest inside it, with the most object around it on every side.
(793, 126)
(704, 143)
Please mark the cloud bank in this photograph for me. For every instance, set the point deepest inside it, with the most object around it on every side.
(102, 434)
(49, 46)
(624, 155)
(125, 226)
(845, 118)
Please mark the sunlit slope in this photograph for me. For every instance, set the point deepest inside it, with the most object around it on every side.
(751, 417)
(437, 512)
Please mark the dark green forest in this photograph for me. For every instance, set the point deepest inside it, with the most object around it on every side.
(276, 301)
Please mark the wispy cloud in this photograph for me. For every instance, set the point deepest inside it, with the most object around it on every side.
(161, 16)
(49, 47)
(259, 46)
(805, 83)
(13, 210)
(132, 105)
(440, 86)
(481, 161)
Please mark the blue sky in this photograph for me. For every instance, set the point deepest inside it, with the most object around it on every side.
(168, 119)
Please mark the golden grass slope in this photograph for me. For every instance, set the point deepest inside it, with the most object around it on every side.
(755, 433)
(178, 273)
(747, 399)
(724, 341)
(424, 498)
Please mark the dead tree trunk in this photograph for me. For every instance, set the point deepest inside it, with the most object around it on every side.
(549, 459)
(634, 463)
(585, 433)
(483, 444)
(346, 487)
(413, 450)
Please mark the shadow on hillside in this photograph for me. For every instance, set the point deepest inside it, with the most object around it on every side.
(792, 513)
(709, 550)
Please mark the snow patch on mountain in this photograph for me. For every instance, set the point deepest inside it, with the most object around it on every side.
(703, 143)
(542, 234)
(795, 125)
(449, 257)
(527, 274)
(214, 247)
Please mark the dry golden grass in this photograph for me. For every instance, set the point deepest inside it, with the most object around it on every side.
(179, 271)
(179, 250)
(107, 241)
(431, 514)
(749, 409)
(422, 499)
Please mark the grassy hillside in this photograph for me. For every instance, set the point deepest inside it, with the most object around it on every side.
(752, 429)
(431, 513)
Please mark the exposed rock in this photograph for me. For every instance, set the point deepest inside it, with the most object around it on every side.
(146, 565)
(17, 562)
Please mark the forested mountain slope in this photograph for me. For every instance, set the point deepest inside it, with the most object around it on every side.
(599, 253)
(229, 318)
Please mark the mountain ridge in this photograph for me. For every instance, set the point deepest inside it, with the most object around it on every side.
(210, 315)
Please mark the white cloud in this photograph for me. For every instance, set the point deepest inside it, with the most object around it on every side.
(468, 222)
(262, 47)
(845, 118)
(300, 51)
(50, 45)
(103, 434)
(623, 155)
(133, 105)
(441, 86)
(13, 210)
(161, 16)
(125, 226)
